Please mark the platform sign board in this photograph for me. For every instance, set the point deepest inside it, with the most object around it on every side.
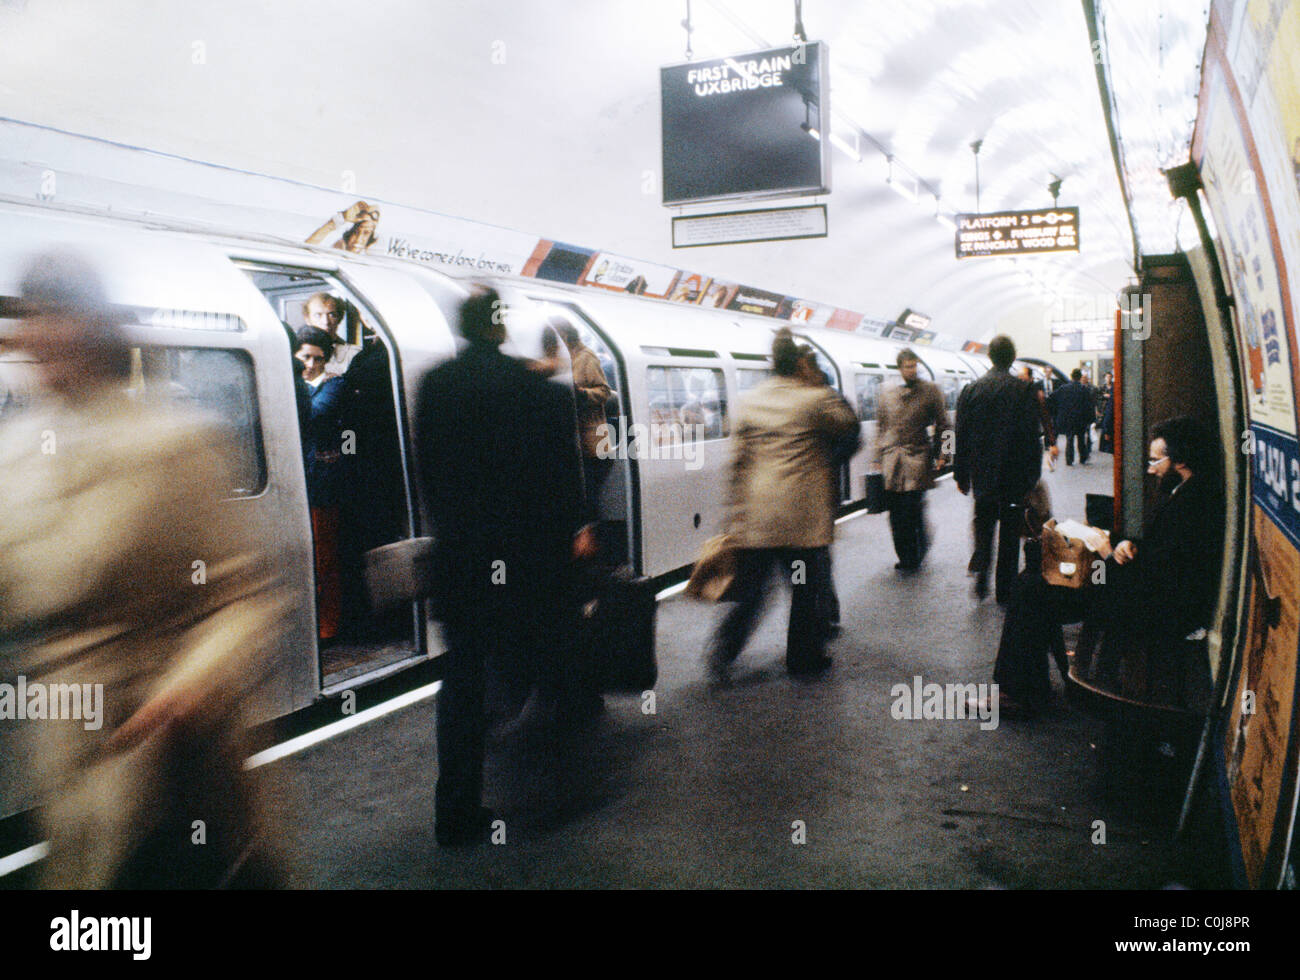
(1013, 233)
(746, 126)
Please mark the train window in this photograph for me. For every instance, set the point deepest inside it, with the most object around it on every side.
(688, 404)
(868, 391)
(824, 364)
(950, 388)
(747, 378)
(217, 383)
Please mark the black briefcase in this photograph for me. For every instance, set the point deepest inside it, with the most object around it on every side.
(618, 631)
(875, 493)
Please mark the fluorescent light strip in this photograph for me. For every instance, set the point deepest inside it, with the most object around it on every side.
(849, 149)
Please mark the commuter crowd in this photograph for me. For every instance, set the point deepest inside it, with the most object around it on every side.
(507, 464)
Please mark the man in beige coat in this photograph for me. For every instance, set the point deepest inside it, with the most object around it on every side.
(906, 454)
(122, 570)
(780, 507)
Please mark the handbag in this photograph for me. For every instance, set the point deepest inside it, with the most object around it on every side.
(715, 571)
(875, 496)
(400, 572)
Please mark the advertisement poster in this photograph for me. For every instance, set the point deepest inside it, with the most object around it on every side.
(614, 272)
(760, 301)
(1249, 263)
(1237, 146)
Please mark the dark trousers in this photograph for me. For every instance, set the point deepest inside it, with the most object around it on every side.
(993, 514)
(1031, 629)
(1084, 440)
(595, 471)
(1113, 609)
(527, 641)
(806, 570)
(907, 524)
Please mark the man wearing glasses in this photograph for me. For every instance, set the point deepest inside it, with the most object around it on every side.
(1153, 592)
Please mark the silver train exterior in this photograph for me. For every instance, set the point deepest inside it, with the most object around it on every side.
(222, 300)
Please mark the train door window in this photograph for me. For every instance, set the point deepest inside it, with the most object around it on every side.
(868, 393)
(688, 404)
(357, 487)
(950, 385)
(748, 378)
(217, 383)
(824, 364)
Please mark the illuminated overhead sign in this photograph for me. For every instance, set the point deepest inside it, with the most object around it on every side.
(1011, 233)
(751, 125)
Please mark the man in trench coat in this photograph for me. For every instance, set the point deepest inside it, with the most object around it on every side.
(906, 454)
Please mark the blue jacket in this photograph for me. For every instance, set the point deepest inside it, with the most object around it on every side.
(321, 444)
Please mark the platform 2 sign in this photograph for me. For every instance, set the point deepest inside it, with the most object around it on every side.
(1011, 233)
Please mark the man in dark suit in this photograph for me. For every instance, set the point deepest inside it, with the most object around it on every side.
(1155, 591)
(498, 458)
(998, 458)
(1076, 410)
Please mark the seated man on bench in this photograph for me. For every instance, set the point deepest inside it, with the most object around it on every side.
(1154, 592)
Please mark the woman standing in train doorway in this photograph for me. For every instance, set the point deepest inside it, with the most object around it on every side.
(322, 456)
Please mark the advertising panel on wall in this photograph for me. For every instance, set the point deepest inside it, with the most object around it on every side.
(624, 275)
(1240, 144)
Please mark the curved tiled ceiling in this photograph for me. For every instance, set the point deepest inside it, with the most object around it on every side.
(559, 135)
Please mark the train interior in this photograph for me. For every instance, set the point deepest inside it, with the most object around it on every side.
(374, 506)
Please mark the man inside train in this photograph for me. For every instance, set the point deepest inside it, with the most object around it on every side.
(327, 312)
(1151, 595)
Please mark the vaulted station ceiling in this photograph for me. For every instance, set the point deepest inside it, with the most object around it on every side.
(544, 117)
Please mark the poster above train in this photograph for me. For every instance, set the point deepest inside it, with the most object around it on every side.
(1013, 233)
(746, 126)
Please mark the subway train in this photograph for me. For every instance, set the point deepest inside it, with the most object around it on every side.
(206, 316)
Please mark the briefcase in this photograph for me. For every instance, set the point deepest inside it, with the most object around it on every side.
(618, 631)
(875, 499)
(715, 571)
(400, 572)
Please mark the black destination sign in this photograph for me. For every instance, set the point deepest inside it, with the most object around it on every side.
(1011, 233)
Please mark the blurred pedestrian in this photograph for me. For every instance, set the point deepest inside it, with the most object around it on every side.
(121, 566)
(906, 454)
(592, 391)
(1075, 413)
(843, 449)
(780, 507)
(499, 461)
(998, 459)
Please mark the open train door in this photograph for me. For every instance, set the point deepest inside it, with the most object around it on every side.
(392, 328)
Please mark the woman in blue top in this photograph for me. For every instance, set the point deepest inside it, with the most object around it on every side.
(322, 457)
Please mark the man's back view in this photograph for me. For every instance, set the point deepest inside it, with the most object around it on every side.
(498, 460)
(999, 460)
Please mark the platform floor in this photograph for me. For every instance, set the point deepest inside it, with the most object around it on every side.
(706, 791)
